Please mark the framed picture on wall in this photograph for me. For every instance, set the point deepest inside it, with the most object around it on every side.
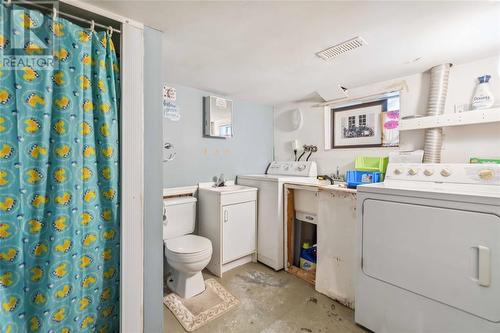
(358, 125)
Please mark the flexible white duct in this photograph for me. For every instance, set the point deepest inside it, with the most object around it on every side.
(437, 98)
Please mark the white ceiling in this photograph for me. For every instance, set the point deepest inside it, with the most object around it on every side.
(265, 51)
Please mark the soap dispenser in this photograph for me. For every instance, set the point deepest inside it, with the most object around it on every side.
(483, 98)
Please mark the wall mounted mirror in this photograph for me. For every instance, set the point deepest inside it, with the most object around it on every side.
(218, 117)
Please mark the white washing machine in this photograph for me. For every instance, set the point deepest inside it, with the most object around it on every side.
(429, 250)
(270, 239)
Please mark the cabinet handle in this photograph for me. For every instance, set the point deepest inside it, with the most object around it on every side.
(225, 215)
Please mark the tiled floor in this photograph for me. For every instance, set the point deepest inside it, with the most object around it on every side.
(274, 302)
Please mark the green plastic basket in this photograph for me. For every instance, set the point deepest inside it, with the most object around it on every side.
(366, 163)
(477, 160)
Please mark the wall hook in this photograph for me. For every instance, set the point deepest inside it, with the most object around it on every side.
(170, 157)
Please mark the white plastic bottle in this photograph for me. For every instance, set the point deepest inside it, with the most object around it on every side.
(483, 98)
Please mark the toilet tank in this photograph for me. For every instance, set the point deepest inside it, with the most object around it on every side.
(179, 216)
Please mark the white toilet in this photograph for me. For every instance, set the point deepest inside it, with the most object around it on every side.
(187, 255)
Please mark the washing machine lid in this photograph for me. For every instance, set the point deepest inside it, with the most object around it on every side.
(280, 178)
(457, 182)
(188, 244)
(474, 193)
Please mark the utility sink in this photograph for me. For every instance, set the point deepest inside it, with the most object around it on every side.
(338, 186)
(335, 186)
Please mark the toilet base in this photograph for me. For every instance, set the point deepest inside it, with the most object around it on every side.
(186, 286)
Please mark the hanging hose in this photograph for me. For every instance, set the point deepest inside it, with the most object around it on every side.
(301, 155)
(312, 149)
(306, 149)
(437, 98)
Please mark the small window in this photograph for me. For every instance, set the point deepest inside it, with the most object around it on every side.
(393, 103)
(225, 131)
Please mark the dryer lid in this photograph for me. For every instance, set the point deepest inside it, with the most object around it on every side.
(188, 244)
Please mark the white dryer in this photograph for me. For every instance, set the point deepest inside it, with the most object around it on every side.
(428, 241)
(270, 238)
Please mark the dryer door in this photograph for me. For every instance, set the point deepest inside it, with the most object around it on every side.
(448, 255)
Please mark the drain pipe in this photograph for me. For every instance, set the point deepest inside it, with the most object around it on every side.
(437, 98)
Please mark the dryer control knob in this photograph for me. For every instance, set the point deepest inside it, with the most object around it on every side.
(412, 172)
(397, 171)
(445, 173)
(428, 172)
(486, 174)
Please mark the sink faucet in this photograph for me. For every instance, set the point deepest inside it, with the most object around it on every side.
(219, 182)
(337, 176)
(326, 177)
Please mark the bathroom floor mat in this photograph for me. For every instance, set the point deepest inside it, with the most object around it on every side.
(197, 311)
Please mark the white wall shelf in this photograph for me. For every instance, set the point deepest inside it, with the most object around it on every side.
(452, 119)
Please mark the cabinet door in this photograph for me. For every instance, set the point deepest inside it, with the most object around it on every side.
(238, 236)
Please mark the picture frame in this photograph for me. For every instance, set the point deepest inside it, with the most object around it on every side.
(358, 126)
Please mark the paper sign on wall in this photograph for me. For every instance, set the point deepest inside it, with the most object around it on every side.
(170, 109)
(390, 131)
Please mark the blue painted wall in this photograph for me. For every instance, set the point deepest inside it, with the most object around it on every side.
(198, 158)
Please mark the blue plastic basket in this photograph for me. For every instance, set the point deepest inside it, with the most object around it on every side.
(357, 177)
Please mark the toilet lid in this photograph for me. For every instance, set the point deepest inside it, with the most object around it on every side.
(188, 244)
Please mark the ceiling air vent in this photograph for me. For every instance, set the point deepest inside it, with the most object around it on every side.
(336, 50)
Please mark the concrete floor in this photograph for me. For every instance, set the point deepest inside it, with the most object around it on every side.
(273, 302)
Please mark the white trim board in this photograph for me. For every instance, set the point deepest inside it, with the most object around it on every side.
(132, 180)
(452, 119)
(327, 133)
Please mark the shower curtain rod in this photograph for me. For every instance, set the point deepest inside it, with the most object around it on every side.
(93, 23)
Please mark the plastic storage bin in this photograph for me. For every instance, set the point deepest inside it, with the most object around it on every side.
(308, 257)
(476, 160)
(366, 163)
(357, 177)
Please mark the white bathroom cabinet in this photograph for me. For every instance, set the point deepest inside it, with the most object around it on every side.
(227, 216)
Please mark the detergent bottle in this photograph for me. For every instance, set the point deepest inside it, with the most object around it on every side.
(483, 98)
(308, 257)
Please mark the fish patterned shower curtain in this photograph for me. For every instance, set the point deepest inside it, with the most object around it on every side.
(59, 176)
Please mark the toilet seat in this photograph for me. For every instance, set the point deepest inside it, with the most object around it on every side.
(188, 244)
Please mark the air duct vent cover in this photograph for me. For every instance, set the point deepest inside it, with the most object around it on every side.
(336, 50)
